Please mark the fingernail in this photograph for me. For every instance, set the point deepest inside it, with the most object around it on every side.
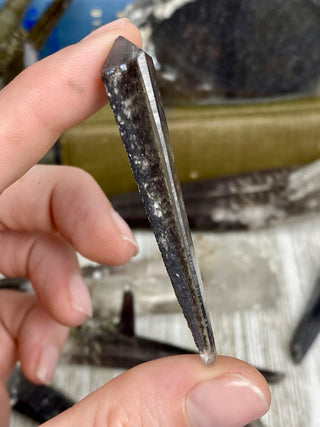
(48, 362)
(125, 231)
(79, 295)
(119, 23)
(230, 400)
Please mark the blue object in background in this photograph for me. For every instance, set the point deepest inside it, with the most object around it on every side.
(32, 15)
(81, 18)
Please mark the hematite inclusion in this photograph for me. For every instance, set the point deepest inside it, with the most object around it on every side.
(130, 81)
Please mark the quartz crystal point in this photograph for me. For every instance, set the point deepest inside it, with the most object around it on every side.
(129, 77)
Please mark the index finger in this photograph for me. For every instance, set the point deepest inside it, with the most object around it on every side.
(51, 96)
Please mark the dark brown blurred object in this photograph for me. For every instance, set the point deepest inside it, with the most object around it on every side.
(40, 32)
(13, 36)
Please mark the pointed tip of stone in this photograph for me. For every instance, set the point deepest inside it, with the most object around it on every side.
(121, 53)
(296, 351)
(208, 357)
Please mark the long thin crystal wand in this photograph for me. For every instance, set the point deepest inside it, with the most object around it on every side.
(130, 81)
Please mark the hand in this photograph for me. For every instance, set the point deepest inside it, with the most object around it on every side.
(48, 211)
(176, 391)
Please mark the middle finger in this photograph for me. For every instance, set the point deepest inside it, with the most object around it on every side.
(51, 265)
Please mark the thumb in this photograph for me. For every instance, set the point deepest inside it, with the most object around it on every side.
(176, 391)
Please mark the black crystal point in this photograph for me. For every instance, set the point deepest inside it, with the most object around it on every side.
(38, 402)
(308, 327)
(130, 81)
(121, 54)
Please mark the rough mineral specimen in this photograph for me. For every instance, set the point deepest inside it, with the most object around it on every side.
(209, 49)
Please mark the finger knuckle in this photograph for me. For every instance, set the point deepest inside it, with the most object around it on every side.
(119, 415)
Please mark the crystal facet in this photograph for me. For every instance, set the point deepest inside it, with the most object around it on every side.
(130, 80)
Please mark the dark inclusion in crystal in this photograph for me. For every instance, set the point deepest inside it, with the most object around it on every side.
(130, 81)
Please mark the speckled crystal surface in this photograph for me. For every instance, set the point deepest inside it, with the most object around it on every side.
(129, 77)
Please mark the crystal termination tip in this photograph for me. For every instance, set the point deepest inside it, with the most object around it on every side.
(208, 357)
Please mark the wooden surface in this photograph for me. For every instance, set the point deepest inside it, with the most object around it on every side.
(278, 268)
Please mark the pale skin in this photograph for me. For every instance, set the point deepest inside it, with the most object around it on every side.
(49, 212)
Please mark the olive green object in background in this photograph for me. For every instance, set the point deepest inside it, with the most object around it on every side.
(208, 141)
